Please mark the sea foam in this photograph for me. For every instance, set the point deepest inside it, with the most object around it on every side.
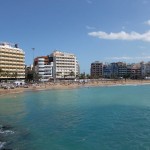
(2, 144)
(6, 132)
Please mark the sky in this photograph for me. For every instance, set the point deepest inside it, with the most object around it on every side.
(93, 30)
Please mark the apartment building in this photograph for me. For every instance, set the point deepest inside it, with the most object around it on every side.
(107, 70)
(96, 69)
(145, 69)
(65, 65)
(136, 71)
(114, 70)
(122, 69)
(43, 67)
(12, 61)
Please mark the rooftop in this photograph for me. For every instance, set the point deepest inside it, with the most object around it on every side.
(10, 45)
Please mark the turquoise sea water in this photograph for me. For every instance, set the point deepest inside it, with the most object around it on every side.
(97, 118)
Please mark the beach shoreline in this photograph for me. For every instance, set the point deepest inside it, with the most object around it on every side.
(73, 85)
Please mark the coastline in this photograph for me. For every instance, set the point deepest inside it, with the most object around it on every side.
(57, 86)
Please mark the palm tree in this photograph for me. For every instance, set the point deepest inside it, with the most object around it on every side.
(88, 76)
(72, 74)
(6, 74)
(14, 74)
(1, 72)
(82, 75)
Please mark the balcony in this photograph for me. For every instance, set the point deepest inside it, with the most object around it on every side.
(40, 63)
(41, 73)
(40, 59)
(47, 75)
(41, 66)
(41, 69)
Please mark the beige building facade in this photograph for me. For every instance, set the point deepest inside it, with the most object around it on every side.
(12, 61)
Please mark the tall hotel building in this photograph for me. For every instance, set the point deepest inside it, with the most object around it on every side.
(96, 69)
(12, 61)
(65, 65)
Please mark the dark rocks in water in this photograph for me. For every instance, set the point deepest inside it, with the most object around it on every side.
(6, 130)
(6, 127)
(2, 139)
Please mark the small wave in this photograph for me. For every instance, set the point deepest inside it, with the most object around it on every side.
(6, 132)
(2, 144)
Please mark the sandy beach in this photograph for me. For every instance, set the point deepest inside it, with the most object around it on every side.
(72, 85)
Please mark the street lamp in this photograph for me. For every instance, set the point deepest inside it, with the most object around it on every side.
(33, 65)
(33, 53)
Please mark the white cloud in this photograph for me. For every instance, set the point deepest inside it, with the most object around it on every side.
(122, 36)
(120, 58)
(147, 22)
(128, 58)
(89, 1)
(89, 27)
(142, 47)
(145, 1)
(123, 27)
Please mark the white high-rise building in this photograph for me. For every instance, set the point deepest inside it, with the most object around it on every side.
(66, 65)
(12, 61)
(145, 69)
(43, 67)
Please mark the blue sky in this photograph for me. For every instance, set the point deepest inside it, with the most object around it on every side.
(104, 30)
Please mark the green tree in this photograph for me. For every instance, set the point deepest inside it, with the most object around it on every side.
(7, 74)
(77, 75)
(14, 74)
(126, 76)
(72, 74)
(82, 75)
(1, 72)
(88, 76)
(29, 76)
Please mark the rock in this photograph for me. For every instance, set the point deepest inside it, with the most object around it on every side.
(6, 127)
